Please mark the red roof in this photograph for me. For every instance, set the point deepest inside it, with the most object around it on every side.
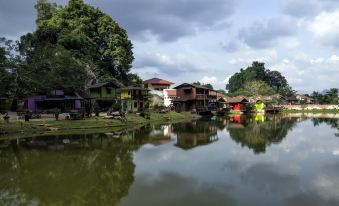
(171, 92)
(158, 81)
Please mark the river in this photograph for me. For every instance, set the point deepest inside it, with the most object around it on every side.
(238, 160)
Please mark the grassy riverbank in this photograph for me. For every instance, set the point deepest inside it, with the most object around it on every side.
(92, 125)
(312, 111)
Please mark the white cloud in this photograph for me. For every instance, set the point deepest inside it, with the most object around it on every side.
(325, 28)
(209, 80)
(334, 58)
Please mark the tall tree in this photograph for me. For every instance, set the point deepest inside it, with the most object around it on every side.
(255, 88)
(77, 39)
(257, 72)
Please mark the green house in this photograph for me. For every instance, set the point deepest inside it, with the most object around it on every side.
(105, 95)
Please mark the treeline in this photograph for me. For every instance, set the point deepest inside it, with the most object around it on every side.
(73, 46)
(257, 80)
(328, 97)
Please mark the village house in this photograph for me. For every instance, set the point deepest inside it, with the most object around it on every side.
(133, 99)
(192, 97)
(238, 103)
(56, 99)
(105, 95)
(160, 91)
(157, 84)
(169, 96)
(299, 99)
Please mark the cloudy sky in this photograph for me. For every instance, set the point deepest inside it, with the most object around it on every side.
(209, 40)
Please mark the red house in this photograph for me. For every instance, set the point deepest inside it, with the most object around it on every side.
(238, 103)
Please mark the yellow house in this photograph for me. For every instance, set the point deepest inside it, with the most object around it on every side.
(133, 99)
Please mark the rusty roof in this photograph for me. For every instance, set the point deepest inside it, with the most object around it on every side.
(157, 81)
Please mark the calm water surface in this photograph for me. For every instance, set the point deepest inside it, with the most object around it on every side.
(260, 160)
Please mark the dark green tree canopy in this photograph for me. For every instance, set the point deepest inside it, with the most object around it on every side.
(85, 41)
(257, 72)
(208, 86)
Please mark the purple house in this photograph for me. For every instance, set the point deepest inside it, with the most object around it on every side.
(56, 99)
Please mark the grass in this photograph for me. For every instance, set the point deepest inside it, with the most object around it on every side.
(94, 124)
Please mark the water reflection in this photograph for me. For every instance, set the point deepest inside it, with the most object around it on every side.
(333, 122)
(192, 163)
(72, 170)
(258, 132)
(193, 134)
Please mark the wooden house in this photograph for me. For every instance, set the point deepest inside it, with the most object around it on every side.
(238, 103)
(133, 99)
(56, 99)
(191, 97)
(105, 95)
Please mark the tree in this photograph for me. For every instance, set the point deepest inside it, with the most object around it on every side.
(207, 86)
(257, 72)
(256, 88)
(79, 39)
(330, 97)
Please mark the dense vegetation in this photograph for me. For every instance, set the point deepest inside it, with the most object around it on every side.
(328, 97)
(256, 77)
(73, 46)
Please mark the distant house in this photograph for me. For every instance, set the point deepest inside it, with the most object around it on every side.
(299, 99)
(56, 99)
(238, 103)
(133, 99)
(192, 97)
(169, 96)
(104, 94)
(157, 84)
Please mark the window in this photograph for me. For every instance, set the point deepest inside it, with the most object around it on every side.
(109, 90)
(188, 91)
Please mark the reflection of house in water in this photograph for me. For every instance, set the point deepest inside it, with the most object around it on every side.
(190, 135)
(162, 135)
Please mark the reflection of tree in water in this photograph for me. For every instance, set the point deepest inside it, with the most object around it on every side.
(257, 135)
(332, 122)
(192, 134)
(85, 171)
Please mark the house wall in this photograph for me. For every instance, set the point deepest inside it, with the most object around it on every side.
(126, 94)
(32, 103)
(102, 92)
(183, 96)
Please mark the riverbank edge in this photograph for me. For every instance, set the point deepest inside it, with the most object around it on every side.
(313, 111)
(18, 129)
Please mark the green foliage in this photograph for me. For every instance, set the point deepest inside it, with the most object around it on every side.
(208, 86)
(257, 72)
(255, 88)
(221, 91)
(330, 97)
(75, 45)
